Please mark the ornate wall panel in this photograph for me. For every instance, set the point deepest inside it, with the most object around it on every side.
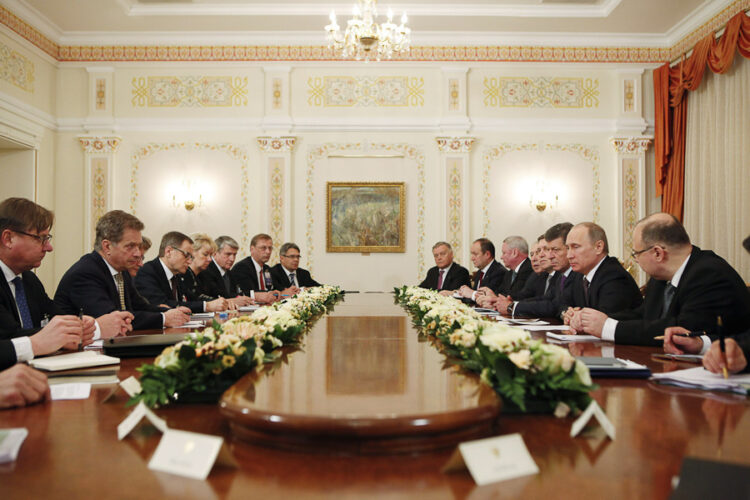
(189, 91)
(16, 69)
(382, 91)
(541, 92)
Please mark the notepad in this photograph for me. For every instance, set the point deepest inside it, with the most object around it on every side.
(700, 378)
(73, 360)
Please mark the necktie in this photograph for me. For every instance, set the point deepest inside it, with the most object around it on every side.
(261, 280)
(586, 290)
(23, 305)
(562, 281)
(227, 284)
(440, 279)
(173, 281)
(669, 292)
(292, 279)
(546, 283)
(479, 279)
(513, 277)
(120, 290)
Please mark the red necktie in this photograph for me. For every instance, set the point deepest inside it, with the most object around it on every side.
(479, 281)
(261, 280)
(440, 279)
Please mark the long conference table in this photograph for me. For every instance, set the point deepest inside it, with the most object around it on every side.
(366, 353)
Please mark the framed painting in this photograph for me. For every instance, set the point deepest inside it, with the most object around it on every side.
(365, 217)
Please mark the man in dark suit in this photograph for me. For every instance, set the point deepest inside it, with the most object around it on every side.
(253, 275)
(216, 280)
(536, 284)
(25, 307)
(689, 287)
(602, 283)
(489, 273)
(515, 256)
(287, 273)
(446, 276)
(548, 305)
(159, 279)
(99, 283)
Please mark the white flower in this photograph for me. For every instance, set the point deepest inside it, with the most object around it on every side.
(463, 338)
(503, 338)
(521, 359)
(168, 357)
(555, 358)
(582, 372)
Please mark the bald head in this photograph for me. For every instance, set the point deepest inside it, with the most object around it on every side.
(662, 229)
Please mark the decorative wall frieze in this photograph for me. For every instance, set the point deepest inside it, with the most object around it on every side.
(541, 92)
(16, 69)
(189, 91)
(455, 144)
(381, 91)
(277, 144)
(99, 144)
(631, 145)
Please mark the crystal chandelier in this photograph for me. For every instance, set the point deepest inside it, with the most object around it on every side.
(366, 39)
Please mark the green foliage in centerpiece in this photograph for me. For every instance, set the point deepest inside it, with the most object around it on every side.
(521, 370)
(213, 359)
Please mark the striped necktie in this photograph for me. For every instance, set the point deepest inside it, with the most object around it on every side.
(23, 305)
(120, 290)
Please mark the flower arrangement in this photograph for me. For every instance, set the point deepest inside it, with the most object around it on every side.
(507, 359)
(213, 359)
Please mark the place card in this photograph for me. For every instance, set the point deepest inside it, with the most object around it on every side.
(596, 411)
(140, 411)
(493, 459)
(131, 385)
(190, 454)
(80, 390)
(10, 443)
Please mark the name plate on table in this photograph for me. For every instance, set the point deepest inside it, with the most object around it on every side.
(493, 459)
(190, 454)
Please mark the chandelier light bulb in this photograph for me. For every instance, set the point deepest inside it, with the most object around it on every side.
(332, 17)
(390, 15)
(404, 18)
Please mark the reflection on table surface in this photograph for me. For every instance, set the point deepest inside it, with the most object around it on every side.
(72, 448)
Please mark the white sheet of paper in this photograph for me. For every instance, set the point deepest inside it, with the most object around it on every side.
(10, 443)
(97, 344)
(572, 338)
(186, 454)
(70, 391)
(85, 359)
(191, 324)
(131, 386)
(248, 308)
(544, 328)
(140, 411)
(207, 315)
(596, 411)
(497, 459)
(700, 378)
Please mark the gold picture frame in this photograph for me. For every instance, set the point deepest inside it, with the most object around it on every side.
(365, 217)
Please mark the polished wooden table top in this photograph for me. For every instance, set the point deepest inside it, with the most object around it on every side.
(72, 449)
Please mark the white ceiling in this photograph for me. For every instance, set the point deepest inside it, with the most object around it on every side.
(652, 23)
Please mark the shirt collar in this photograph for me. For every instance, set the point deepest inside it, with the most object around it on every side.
(112, 270)
(487, 267)
(287, 271)
(678, 274)
(446, 269)
(567, 271)
(9, 274)
(258, 267)
(222, 271)
(166, 270)
(590, 275)
(518, 267)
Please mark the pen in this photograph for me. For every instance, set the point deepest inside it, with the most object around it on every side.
(688, 335)
(80, 316)
(719, 327)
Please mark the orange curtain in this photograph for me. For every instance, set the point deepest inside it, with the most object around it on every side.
(670, 86)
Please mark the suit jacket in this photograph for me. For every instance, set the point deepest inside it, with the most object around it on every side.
(492, 278)
(7, 353)
(534, 287)
(456, 277)
(245, 276)
(211, 283)
(151, 281)
(611, 290)
(509, 286)
(709, 287)
(88, 284)
(192, 288)
(549, 305)
(281, 280)
(39, 306)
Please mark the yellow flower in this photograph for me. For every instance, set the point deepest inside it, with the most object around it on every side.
(228, 361)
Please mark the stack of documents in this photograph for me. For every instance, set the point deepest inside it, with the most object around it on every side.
(614, 367)
(83, 359)
(700, 378)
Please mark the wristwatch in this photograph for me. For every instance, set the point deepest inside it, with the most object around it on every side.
(509, 309)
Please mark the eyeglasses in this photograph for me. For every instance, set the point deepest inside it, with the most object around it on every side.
(295, 257)
(635, 253)
(184, 253)
(41, 239)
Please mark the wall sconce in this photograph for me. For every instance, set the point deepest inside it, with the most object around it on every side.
(187, 197)
(543, 197)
